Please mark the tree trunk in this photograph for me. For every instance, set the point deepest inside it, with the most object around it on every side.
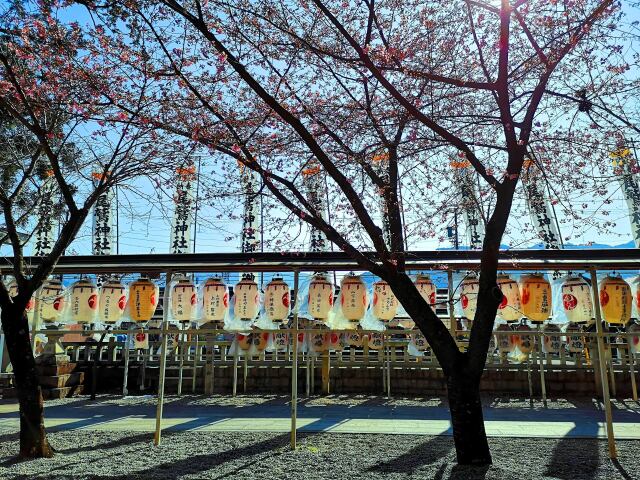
(467, 421)
(33, 438)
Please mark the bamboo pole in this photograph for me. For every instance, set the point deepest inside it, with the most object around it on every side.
(181, 353)
(294, 363)
(163, 359)
(603, 368)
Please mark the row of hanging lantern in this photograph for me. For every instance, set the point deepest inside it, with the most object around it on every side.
(530, 298)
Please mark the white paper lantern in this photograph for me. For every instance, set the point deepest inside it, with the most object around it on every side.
(51, 301)
(215, 300)
(320, 297)
(419, 341)
(426, 288)
(318, 342)
(244, 341)
(469, 288)
(552, 342)
(385, 303)
(575, 338)
(506, 342)
(280, 341)
(12, 288)
(354, 298)
(525, 339)
(634, 342)
(143, 299)
(184, 300)
(535, 293)
(615, 300)
(576, 300)
(246, 299)
(510, 309)
(354, 339)
(113, 301)
(277, 300)
(83, 302)
(334, 341)
(375, 341)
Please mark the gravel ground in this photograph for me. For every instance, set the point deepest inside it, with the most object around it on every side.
(201, 455)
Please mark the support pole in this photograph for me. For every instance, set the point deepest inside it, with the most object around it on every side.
(245, 369)
(235, 369)
(195, 364)
(603, 367)
(294, 363)
(543, 383)
(632, 360)
(389, 367)
(326, 372)
(163, 359)
(126, 364)
(181, 352)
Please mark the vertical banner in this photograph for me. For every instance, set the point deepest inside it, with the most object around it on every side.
(251, 227)
(463, 180)
(45, 232)
(539, 207)
(624, 166)
(381, 167)
(312, 180)
(183, 211)
(103, 224)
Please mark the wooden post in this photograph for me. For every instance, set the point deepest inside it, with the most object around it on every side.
(326, 372)
(235, 369)
(181, 353)
(632, 360)
(602, 366)
(294, 363)
(163, 359)
(543, 383)
(245, 368)
(195, 364)
(126, 364)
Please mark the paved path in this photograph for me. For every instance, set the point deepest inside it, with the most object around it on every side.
(582, 420)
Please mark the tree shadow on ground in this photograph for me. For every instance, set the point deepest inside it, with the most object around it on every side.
(197, 464)
(426, 453)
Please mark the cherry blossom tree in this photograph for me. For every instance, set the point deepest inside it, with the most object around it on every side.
(56, 130)
(385, 96)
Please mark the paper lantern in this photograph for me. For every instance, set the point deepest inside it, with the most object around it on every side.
(525, 341)
(244, 341)
(302, 338)
(385, 303)
(12, 288)
(469, 288)
(636, 292)
(426, 288)
(318, 342)
(51, 301)
(510, 308)
(113, 301)
(575, 338)
(535, 294)
(552, 341)
(634, 342)
(615, 300)
(354, 339)
(334, 341)
(246, 299)
(259, 340)
(375, 341)
(143, 300)
(215, 300)
(506, 342)
(277, 300)
(419, 341)
(320, 297)
(280, 341)
(184, 300)
(576, 300)
(407, 323)
(83, 302)
(354, 298)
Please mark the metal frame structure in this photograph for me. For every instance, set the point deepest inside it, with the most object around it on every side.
(449, 261)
